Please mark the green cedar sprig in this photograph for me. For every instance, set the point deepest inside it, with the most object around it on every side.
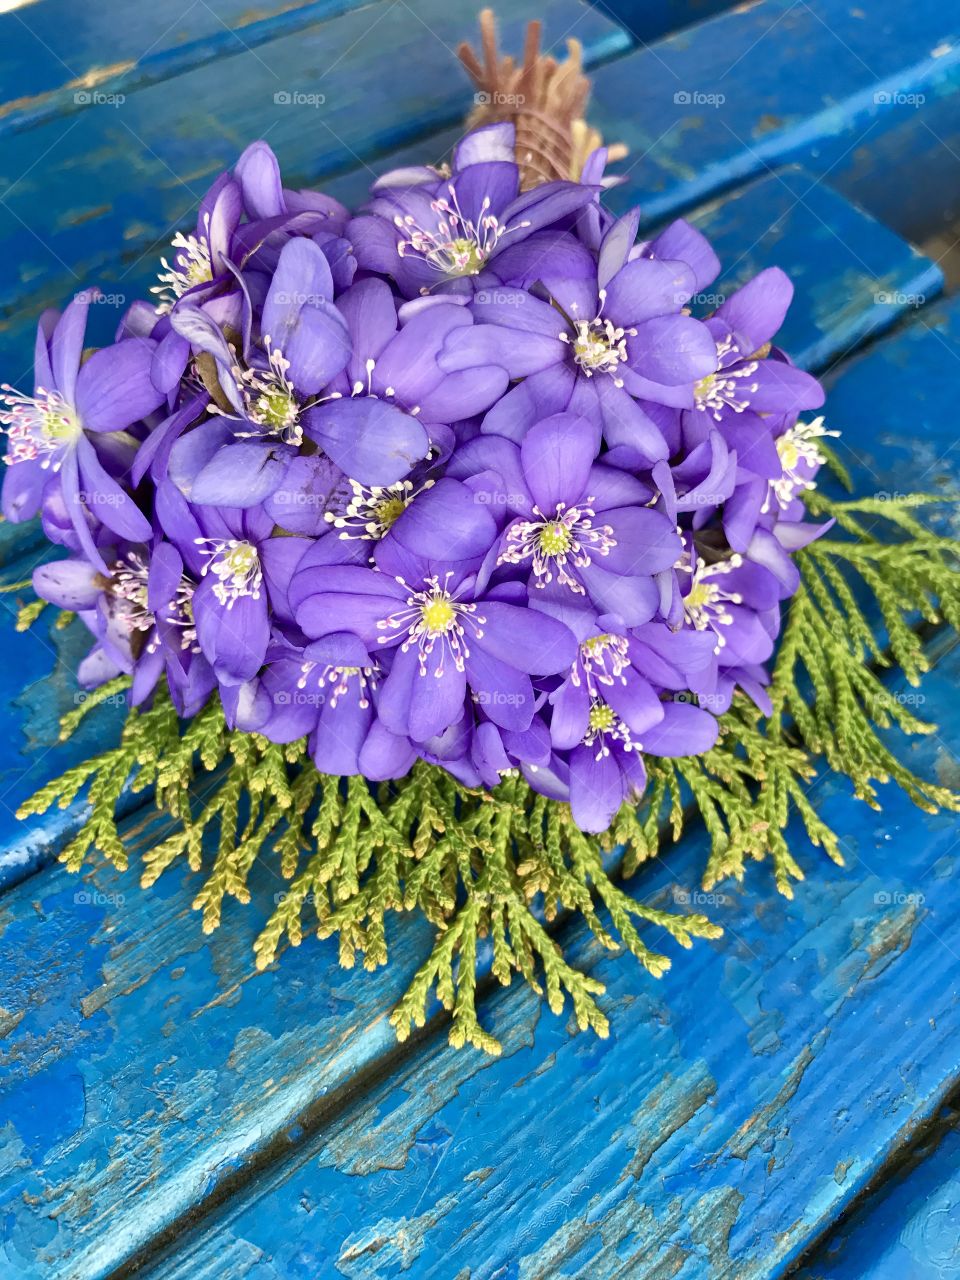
(499, 869)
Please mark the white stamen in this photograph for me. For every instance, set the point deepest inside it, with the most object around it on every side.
(370, 512)
(38, 426)
(269, 399)
(705, 604)
(236, 566)
(599, 345)
(797, 451)
(726, 388)
(192, 265)
(433, 615)
(456, 246)
(551, 541)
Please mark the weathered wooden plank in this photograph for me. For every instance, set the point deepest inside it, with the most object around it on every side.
(182, 1077)
(73, 210)
(854, 277)
(820, 82)
(649, 20)
(910, 1226)
(736, 1107)
(839, 258)
(52, 51)
(119, 176)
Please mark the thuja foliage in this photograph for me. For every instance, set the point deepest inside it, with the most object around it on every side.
(493, 872)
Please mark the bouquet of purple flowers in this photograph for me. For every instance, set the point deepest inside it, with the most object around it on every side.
(467, 478)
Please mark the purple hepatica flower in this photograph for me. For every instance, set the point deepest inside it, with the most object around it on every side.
(51, 451)
(748, 379)
(431, 233)
(227, 551)
(323, 692)
(606, 714)
(737, 600)
(581, 527)
(441, 634)
(200, 258)
(394, 358)
(245, 458)
(270, 205)
(772, 500)
(601, 343)
(141, 615)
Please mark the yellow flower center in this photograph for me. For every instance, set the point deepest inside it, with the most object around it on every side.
(596, 645)
(554, 539)
(601, 717)
(702, 389)
(438, 616)
(788, 452)
(388, 511)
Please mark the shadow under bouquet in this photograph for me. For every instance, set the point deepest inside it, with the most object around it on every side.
(452, 558)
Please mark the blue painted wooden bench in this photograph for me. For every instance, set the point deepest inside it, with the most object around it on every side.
(783, 1096)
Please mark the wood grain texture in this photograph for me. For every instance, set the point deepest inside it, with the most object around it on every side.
(649, 20)
(740, 1105)
(736, 1107)
(54, 50)
(910, 1227)
(118, 177)
(819, 82)
(174, 1076)
(835, 308)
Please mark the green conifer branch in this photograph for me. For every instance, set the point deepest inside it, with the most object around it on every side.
(493, 871)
